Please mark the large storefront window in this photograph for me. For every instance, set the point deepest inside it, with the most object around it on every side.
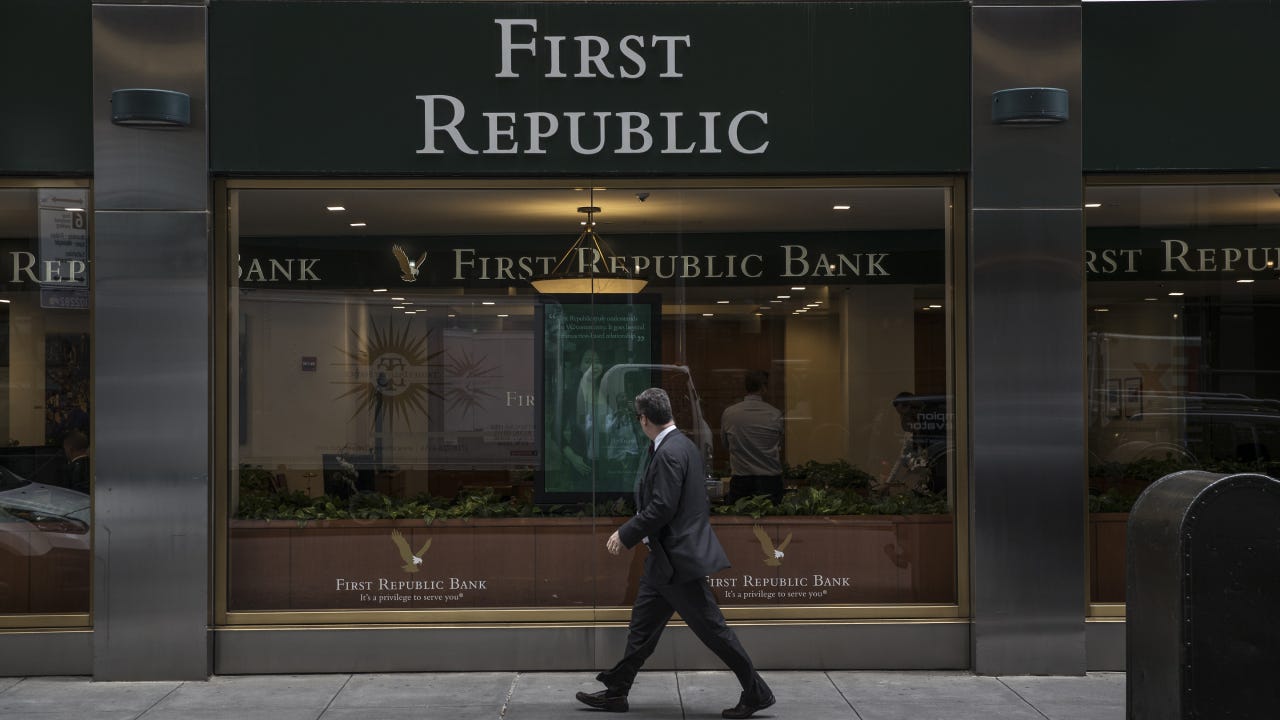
(414, 426)
(1183, 303)
(44, 402)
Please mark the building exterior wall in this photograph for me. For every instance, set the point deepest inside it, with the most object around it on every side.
(161, 277)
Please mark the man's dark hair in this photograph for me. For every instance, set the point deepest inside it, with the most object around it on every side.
(654, 404)
(76, 440)
(756, 380)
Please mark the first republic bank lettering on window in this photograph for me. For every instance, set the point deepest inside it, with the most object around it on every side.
(629, 57)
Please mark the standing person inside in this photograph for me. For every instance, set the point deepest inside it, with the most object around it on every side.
(752, 430)
(673, 520)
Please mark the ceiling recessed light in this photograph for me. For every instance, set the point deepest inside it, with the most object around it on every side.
(452, 315)
(765, 307)
(1245, 280)
(503, 315)
(722, 302)
(74, 209)
(708, 314)
(1175, 316)
(6, 302)
(410, 312)
(358, 224)
(334, 208)
(1175, 294)
(397, 307)
(797, 288)
(1148, 299)
(379, 289)
(935, 307)
(812, 305)
(487, 302)
(757, 314)
(1093, 205)
(784, 297)
(839, 207)
(775, 301)
(1102, 309)
(398, 299)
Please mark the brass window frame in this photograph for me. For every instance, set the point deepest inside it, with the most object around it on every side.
(1111, 611)
(225, 246)
(34, 621)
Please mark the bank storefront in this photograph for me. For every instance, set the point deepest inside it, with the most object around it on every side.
(365, 332)
(428, 425)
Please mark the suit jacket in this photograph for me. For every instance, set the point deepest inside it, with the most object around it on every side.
(673, 512)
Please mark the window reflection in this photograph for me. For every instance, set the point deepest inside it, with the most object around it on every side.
(449, 438)
(1181, 363)
(44, 401)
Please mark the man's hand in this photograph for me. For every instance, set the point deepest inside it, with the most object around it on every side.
(614, 544)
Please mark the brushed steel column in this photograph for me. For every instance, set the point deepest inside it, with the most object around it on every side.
(1026, 349)
(151, 343)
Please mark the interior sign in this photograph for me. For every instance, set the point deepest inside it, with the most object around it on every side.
(631, 57)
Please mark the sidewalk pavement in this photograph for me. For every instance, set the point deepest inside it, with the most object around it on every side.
(666, 695)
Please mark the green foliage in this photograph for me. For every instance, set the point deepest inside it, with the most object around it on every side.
(298, 506)
(255, 480)
(836, 488)
(1124, 482)
(838, 474)
(1113, 500)
(757, 506)
(811, 501)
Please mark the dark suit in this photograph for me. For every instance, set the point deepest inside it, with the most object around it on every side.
(675, 515)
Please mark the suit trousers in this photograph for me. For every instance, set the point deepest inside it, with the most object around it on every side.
(693, 600)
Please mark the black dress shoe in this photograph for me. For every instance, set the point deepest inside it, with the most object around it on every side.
(609, 703)
(745, 708)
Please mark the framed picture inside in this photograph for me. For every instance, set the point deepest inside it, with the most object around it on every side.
(1113, 398)
(1131, 400)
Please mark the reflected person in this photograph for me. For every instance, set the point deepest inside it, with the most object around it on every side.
(76, 447)
(673, 520)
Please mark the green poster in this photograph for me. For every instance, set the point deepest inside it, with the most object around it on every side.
(596, 357)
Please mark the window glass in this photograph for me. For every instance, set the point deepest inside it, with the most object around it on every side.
(1182, 373)
(44, 401)
(419, 423)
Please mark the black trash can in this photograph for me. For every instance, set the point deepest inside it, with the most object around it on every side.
(1203, 598)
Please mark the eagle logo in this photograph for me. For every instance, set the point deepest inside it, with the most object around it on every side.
(411, 560)
(772, 555)
(408, 268)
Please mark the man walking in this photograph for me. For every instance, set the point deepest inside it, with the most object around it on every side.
(673, 521)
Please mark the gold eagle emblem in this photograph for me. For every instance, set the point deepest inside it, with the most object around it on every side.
(411, 559)
(772, 556)
(409, 269)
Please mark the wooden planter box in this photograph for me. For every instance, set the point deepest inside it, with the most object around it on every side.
(838, 560)
(562, 562)
(1107, 538)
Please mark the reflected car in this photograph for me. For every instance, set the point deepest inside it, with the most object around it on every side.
(44, 547)
(1193, 428)
(621, 383)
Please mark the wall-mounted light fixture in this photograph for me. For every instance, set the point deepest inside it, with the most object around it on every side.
(148, 107)
(1029, 106)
